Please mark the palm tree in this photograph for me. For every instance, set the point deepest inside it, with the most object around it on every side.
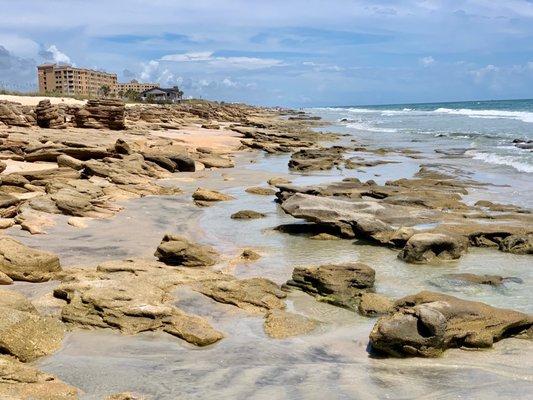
(104, 90)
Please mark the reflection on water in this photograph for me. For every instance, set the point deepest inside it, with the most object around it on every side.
(332, 362)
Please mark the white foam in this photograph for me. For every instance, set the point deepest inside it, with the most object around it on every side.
(363, 126)
(524, 116)
(492, 158)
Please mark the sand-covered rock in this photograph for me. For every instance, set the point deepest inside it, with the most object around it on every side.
(338, 284)
(22, 263)
(428, 323)
(280, 324)
(517, 244)
(177, 250)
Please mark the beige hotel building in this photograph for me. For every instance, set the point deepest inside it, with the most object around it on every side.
(72, 81)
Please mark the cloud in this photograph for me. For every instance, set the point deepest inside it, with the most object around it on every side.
(17, 73)
(427, 61)
(189, 57)
(209, 57)
(52, 53)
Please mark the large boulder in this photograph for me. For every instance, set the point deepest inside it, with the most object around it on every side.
(337, 284)
(428, 323)
(22, 263)
(177, 250)
(424, 248)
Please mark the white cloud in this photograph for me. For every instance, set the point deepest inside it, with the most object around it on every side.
(248, 63)
(320, 67)
(57, 55)
(185, 57)
(427, 61)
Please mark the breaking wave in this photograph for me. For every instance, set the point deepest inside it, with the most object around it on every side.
(509, 161)
(524, 116)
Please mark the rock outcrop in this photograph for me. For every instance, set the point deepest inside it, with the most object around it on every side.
(424, 248)
(177, 250)
(341, 285)
(22, 263)
(21, 381)
(102, 113)
(247, 214)
(49, 116)
(428, 323)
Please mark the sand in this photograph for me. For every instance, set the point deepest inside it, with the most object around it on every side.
(34, 100)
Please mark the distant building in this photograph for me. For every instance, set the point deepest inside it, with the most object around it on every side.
(71, 81)
(134, 85)
(161, 95)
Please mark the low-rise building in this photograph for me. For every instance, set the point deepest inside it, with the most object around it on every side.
(134, 85)
(162, 95)
(72, 81)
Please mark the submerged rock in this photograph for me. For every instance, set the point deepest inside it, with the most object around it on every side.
(428, 323)
(517, 244)
(280, 324)
(247, 214)
(22, 263)
(262, 191)
(424, 248)
(341, 285)
(492, 280)
(177, 250)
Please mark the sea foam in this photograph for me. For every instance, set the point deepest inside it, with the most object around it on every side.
(524, 116)
(492, 158)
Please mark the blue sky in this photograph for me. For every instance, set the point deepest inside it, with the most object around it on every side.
(290, 52)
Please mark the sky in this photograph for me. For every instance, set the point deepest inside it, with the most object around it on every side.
(299, 53)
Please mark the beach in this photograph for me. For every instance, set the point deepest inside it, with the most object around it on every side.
(430, 201)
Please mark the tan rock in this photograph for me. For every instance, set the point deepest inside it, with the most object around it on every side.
(280, 324)
(177, 250)
(202, 194)
(22, 263)
(21, 381)
(373, 304)
(262, 191)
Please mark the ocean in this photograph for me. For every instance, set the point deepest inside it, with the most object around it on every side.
(486, 130)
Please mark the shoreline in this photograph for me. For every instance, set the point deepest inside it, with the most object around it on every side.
(158, 208)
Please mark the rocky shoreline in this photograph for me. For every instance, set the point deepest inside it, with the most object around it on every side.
(84, 162)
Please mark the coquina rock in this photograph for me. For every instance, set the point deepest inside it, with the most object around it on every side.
(22, 263)
(102, 113)
(428, 323)
(424, 248)
(48, 115)
(338, 284)
(12, 114)
(177, 250)
(22, 381)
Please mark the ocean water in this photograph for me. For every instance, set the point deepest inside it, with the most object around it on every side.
(484, 129)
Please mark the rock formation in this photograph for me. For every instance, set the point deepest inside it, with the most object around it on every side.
(101, 113)
(428, 323)
(48, 116)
